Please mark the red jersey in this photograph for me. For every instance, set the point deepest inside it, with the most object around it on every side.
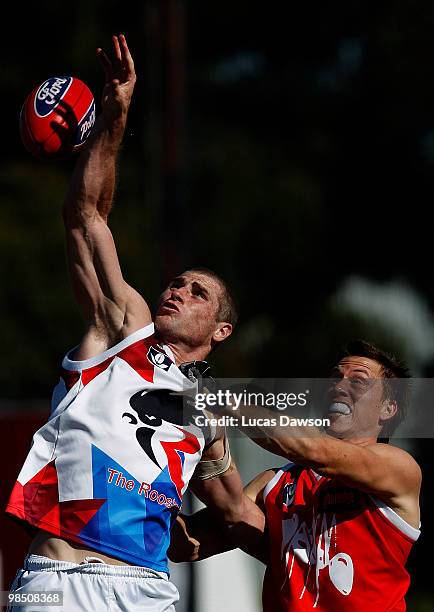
(332, 547)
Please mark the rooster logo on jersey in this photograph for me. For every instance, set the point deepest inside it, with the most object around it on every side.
(152, 408)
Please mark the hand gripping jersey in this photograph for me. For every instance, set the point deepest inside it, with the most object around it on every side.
(332, 547)
(109, 468)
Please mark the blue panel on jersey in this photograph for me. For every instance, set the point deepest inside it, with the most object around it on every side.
(165, 485)
(130, 526)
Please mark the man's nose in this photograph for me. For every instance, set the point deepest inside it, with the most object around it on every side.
(176, 295)
(341, 387)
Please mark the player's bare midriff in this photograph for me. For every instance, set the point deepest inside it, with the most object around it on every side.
(47, 545)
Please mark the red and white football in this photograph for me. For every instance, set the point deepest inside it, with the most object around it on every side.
(57, 117)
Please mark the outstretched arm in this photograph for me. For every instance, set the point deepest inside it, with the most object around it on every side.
(112, 309)
(385, 471)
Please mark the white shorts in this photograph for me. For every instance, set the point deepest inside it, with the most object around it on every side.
(93, 586)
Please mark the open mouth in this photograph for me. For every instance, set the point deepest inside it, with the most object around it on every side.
(339, 408)
(169, 305)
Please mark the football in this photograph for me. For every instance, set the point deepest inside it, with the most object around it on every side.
(57, 117)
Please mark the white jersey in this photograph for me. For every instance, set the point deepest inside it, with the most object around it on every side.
(109, 468)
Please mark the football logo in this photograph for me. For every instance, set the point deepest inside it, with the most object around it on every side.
(159, 359)
(49, 94)
(85, 125)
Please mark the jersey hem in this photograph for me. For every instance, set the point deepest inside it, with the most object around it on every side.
(53, 529)
(140, 334)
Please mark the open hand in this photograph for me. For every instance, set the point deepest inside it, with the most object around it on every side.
(120, 78)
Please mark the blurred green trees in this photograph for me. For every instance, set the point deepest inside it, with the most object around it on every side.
(305, 155)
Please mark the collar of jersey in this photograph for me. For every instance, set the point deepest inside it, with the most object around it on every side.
(140, 334)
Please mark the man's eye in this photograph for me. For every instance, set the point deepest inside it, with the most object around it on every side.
(359, 381)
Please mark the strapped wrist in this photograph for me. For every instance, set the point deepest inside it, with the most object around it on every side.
(214, 467)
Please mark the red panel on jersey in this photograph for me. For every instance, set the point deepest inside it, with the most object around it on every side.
(75, 514)
(92, 372)
(70, 377)
(38, 503)
(135, 356)
(190, 445)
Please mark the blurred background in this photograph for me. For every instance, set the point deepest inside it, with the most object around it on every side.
(292, 151)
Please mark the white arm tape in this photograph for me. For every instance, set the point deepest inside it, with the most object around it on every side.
(214, 467)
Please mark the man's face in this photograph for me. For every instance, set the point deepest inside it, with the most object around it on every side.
(355, 404)
(187, 309)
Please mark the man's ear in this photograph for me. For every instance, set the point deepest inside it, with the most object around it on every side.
(223, 331)
(388, 410)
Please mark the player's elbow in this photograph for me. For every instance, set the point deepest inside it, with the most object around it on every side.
(233, 514)
(232, 509)
(245, 515)
(79, 211)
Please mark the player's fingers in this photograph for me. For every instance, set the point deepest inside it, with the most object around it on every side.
(118, 54)
(105, 62)
(127, 60)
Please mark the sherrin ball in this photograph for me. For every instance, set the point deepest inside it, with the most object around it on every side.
(57, 117)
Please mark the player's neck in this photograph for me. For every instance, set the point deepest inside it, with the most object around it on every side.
(183, 353)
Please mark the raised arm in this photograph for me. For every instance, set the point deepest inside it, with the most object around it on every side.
(112, 309)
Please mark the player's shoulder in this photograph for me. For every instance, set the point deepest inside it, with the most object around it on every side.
(395, 452)
(400, 458)
(256, 486)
